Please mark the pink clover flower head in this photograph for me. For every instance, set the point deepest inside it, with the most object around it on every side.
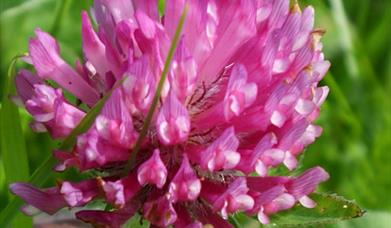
(240, 98)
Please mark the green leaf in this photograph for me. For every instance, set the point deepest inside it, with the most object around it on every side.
(62, 8)
(378, 219)
(136, 222)
(234, 221)
(13, 147)
(330, 209)
(161, 6)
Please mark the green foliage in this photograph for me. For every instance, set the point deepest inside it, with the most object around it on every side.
(329, 209)
(372, 219)
(13, 147)
(356, 118)
(136, 221)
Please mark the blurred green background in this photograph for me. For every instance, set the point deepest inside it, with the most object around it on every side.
(355, 147)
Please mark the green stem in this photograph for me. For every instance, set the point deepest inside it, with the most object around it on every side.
(156, 98)
(232, 219)
(14, 151)
(63, 6)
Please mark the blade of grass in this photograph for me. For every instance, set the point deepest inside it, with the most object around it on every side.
(161, 5)
(378, 38)
(345, 36)
(356, 58)
(159, 88)
(13, 147)
(22, 8)
(340, 97)
(62, 8)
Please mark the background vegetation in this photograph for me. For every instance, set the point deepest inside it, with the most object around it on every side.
(356, 143)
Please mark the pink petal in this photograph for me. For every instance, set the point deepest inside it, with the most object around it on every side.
(146, 25)
(140, 85)
(239, 94)
(112, 219)
(307, 202)
(121, 191)
(307, 182)
(221, 154)
(25, 81)
(47, 200)
(290, 160)
(236, 24)
(185, 185)
(115, 123)
(93, 48)
(262, 217)
(184, 72)
(173, 121)
(79, 194)
(282, 202)
(160, 212)
(152, 171)
(234, 199)
(44, 53)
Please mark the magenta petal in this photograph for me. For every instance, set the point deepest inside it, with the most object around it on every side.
(160, 212)
(115, 123)
(103, 218)
(234, 199)
(261, 184)
(149, 7)
(307, 182)
(184, 72)
(47, 200)
(140, 86)
(25, 81)
(44, 53)
(280, 203)
(146, 25)
(65, 159)
(48, 107)
(260, 158)
(121, 191)
(215, 220)
(240, 94)
(93, 48)
(222, 154)
(153, 171)
(79, 194)
(173, 121)
(185, 185)
(236, 24)
(112, 219)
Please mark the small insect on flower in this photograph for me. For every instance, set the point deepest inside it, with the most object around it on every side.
(240, 98)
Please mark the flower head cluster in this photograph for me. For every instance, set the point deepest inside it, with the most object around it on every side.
(240, 98)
